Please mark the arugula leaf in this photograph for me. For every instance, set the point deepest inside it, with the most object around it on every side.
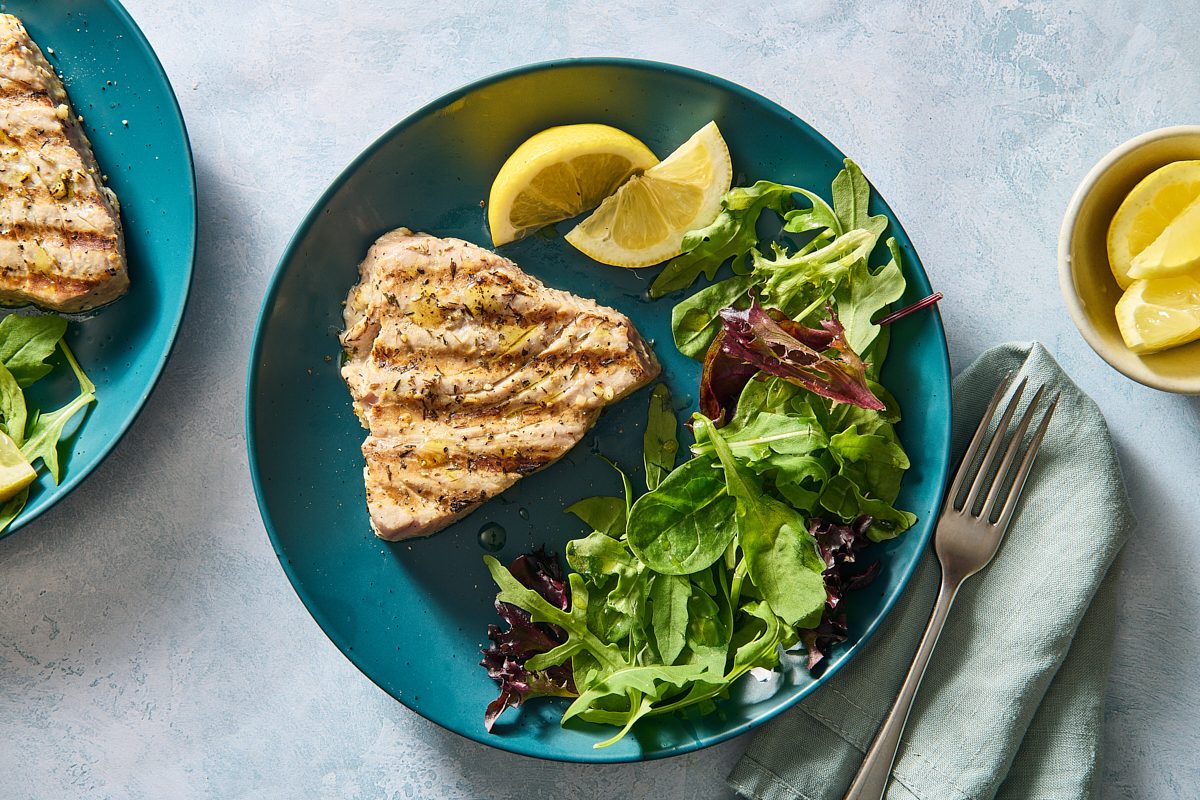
(864, 294)
(731, 235)
(820, 217)
(573, 621)
(851, 196)
(686, 523)
(765, 435)
(507, 657)
(47, 429)
(781, 555)
(660, 441)
(26, 343)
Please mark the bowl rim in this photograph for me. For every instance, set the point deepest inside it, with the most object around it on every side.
(1066, 273)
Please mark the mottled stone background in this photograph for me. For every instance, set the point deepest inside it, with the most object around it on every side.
(150, 646)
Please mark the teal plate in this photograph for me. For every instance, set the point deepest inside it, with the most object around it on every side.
(130, 114)
(412, 616)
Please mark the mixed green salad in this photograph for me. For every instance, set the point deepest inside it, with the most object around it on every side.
(29, 437)
(748, 546)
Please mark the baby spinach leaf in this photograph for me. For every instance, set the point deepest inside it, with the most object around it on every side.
(660, 442)
(603, 514)
(26, 343)
(669, 595)
(695, 321)
(843, 498)
(686, 523)
(707, 637)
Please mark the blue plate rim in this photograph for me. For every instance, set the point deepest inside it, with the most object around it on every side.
(598, 756)
(78, 476)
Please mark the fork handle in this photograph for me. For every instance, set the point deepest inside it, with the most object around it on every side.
(871, 781)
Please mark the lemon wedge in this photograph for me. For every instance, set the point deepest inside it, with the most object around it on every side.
(1156, 314)
(559, 173)
(644, 222)
(1176, 250)
(1157, 201)
(15, 472)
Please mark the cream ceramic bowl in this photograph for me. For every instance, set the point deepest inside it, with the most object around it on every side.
(1088, 287)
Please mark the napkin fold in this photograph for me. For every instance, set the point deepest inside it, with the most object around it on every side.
(1011, 705)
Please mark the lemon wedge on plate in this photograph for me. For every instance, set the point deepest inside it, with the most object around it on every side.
(559, 173)
(1176, 251)
(1156, 314)
(1156, 202)
(15, 472)
(644, 222)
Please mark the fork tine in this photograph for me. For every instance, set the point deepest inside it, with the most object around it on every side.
(976, 441)
(1010, 454)
(989, 457)
(1014, 493)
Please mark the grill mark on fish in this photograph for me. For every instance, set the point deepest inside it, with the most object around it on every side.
(56, 235)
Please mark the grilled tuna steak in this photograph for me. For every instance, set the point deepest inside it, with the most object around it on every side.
(470, 375)
(61, 246)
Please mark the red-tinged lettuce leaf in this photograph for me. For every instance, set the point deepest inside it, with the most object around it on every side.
(839, 545)
(755, 339)
(818, 641)
(505, 658)
(723, 379)
(797, 354)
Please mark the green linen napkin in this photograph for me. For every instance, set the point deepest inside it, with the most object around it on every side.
(1011, 705)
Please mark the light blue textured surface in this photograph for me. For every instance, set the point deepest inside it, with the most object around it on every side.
(150, 645)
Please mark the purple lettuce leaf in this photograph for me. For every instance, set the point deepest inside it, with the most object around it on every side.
(505, 657)
(755, 338)
(839, 545)
(722, 381)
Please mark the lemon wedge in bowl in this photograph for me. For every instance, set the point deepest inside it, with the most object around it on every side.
(1176, 251)
(1145, 214)
(1156, 314)
(644, 222)
(560, 173)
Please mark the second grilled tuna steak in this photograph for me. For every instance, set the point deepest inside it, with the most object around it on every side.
(470, 375)
(61, 246)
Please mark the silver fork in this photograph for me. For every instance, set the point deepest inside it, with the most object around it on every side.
(965, 541)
